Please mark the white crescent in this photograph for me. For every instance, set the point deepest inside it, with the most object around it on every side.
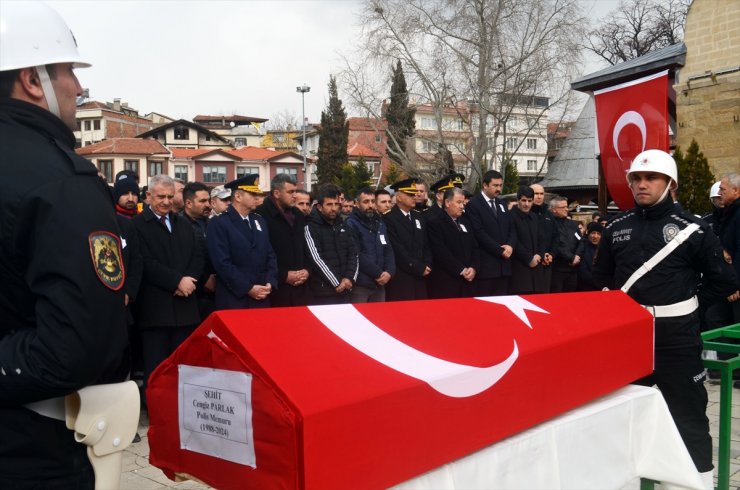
(629, 117)
(448, 378)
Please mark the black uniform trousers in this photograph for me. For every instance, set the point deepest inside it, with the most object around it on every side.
(679, 374)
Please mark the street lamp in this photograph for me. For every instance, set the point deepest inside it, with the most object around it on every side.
(303, 89)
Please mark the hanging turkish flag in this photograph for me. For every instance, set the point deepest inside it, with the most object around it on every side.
(630, 118)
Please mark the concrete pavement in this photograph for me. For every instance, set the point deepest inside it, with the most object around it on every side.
(138, 474)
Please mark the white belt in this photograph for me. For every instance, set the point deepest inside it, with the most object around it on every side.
(676, 309)
(52, 408)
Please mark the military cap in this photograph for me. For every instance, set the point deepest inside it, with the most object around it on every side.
(452, 180)
(249, 183)
(407, 186)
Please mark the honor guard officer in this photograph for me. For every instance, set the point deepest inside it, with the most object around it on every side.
(61, 297)
(439, 188)
(407, 234)
(241, 254)
(655, 253)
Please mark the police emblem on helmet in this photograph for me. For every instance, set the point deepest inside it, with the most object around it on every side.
(105, 249)
(670, 231)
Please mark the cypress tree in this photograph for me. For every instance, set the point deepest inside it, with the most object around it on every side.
(399, 116)
(694, 179)
(332, 152)
(511, 178)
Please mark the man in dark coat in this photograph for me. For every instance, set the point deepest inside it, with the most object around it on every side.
(240, 250)
(285, 225)
(455, 256)
(494, 232)
(407, 233)
(729, 232)
(540, 209)
(527, 271)
(331, 250)
(62, 289)
(565, 261)
(377, 263)
(197, 200)
(167, 308)
(438, 190)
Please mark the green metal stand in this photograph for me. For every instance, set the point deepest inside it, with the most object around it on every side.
(713, 342)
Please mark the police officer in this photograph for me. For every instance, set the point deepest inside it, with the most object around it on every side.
(668, 290)
(61, 294)
(241, 254)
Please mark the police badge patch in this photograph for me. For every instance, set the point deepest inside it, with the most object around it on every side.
(105, 249)
(670, 231)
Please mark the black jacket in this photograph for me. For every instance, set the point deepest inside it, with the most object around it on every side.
(729, 235)
(62, 318)
(331, 253)
(412, 254)
(634, 237)
(569, 236)
(531, 240)
(453, 249)
(491, 230)
(373, 247)
(168, 257)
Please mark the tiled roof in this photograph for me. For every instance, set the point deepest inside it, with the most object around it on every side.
(124, 146)
(234, 118)
(358, 150)
(255, 153)
(366, 124)
(189, 152)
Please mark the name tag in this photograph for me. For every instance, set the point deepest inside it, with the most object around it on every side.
(462, 227)
(578, 237)
(123, 242)
(418, 225)
(257, 225)
(382, 239)
(501, 206)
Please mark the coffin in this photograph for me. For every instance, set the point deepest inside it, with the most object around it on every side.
(371, 395)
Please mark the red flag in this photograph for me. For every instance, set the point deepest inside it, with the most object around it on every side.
(630, 118)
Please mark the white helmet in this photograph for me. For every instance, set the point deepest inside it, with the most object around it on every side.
(33, 34)
(714, 190)
(656, 161)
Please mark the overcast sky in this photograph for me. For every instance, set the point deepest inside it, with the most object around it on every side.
(246, 57)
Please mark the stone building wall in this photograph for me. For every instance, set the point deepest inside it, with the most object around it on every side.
(708, 89)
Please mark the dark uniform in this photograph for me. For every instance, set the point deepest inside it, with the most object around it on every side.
(62, 312)
(453, 249)
(242, 256)
(411, 250)
(627, 243)
(564, 275)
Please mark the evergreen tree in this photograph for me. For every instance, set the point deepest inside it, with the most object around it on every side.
(363, 176)
(352, 177)
(399, 116)
(332, 152)
(511, 178)
(393, 174)
(694, 179)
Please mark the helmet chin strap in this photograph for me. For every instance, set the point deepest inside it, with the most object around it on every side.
(665, 193)
(48, 88)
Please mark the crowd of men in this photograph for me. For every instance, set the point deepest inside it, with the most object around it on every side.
(76, 274)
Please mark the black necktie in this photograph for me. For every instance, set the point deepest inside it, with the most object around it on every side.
(163, 219)
(493, 206)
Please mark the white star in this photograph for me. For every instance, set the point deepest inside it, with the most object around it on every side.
(516, 304)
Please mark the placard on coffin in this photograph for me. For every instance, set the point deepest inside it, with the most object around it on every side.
(370, 395)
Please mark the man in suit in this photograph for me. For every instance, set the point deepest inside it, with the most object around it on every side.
(167, 309)
(240, 250)
(566, 260)
(439, 188)
(495, 234)
(456, 258)
(407, 234)
(285, 225)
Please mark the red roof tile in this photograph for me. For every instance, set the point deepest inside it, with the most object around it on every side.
(124, 146)
(359, 150)
(366, 124)
(255, 153)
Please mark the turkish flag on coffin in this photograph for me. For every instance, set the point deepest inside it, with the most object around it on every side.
(368, 396)
(630, 118)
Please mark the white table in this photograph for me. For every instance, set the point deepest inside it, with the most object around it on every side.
(604, 444)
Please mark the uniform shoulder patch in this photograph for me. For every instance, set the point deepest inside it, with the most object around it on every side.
(105, 251)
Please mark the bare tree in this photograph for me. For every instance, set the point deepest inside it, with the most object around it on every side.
(638, 27)
(284, 120)
(483, 59)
